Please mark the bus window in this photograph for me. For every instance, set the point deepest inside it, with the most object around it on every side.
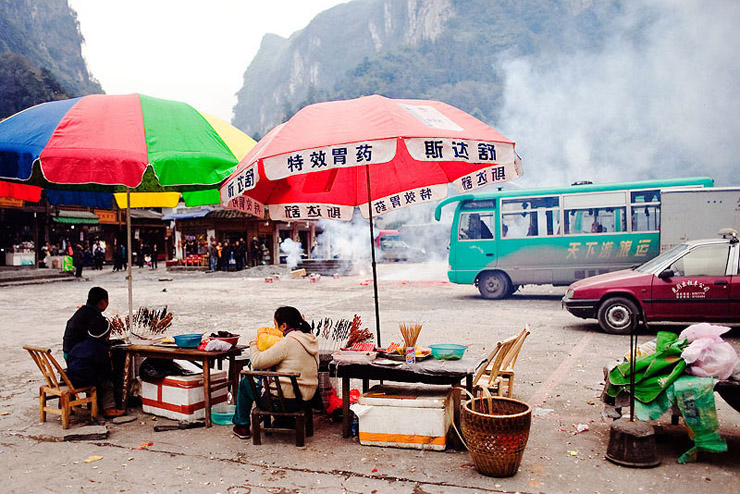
(530, 217)
(595, 220)
(645, 206)
(476, 226)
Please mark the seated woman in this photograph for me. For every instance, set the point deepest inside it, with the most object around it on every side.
(297, 351)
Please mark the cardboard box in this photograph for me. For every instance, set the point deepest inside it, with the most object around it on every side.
(416, 417)
(181, 397)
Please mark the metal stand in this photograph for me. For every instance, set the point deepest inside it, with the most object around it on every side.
(632, 444)
(372, 251)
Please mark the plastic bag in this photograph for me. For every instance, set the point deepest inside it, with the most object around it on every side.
(708, 357)
(155, 369)
(703, 330)
(695, 400)
(217, 346)
(266, 337)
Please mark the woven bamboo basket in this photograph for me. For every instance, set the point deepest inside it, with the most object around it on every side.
(496, 430)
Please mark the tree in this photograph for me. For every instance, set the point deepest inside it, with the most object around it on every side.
(22, 85)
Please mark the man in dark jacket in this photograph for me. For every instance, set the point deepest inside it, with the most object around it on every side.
(78, 260)
(88, 318)
(89, 364)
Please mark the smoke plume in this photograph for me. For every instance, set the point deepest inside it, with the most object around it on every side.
(658, 99)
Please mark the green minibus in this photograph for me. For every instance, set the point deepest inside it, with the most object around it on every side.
(504, 239)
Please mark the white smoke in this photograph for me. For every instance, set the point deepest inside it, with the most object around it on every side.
(293, 251)
(658, 100)
(344, 239)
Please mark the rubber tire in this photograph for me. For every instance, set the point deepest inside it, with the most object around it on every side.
(494, 285)
(618, 315)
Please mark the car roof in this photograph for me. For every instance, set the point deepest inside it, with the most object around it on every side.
(705, 241)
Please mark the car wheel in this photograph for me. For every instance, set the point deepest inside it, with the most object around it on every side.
(618, 315)
(494, 285)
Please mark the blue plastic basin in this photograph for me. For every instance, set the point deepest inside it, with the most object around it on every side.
(188, 340)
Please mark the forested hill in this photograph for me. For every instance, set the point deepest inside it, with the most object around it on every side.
(40, 54)
(438, 49)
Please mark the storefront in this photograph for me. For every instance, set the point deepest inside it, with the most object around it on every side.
(195, 228)
(19, 236)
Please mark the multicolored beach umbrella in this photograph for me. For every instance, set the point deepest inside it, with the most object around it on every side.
(107, 143)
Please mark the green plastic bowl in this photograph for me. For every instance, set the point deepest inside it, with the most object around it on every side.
(222, 413)
(449, 351)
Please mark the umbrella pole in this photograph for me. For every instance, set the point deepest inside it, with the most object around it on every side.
(128, 259)
(372, 252)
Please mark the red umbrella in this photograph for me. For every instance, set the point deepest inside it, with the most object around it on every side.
(392, 153)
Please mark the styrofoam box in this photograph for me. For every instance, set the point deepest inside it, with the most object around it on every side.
(181, 397)
(416, 417)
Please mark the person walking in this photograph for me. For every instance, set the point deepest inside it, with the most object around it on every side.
(213, 255)
(256, 251)
(155, 255)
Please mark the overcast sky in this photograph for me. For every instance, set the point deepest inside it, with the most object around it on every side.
(188, 50)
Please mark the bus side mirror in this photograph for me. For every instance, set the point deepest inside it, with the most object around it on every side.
(666, 274)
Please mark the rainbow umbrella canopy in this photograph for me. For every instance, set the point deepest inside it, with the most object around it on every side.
(144, 150)
(108, 143)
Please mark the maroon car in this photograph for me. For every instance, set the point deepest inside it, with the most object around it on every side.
(695, 281)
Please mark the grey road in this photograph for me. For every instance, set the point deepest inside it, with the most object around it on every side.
(559, 373)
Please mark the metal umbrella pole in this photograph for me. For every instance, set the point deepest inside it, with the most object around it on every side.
(128, 259)
(633, 357)
(372, 252)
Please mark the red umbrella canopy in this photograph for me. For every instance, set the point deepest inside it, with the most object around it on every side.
(316, 165)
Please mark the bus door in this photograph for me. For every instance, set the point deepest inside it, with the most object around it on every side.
(476, 247)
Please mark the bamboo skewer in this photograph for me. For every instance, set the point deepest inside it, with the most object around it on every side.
(410, 333)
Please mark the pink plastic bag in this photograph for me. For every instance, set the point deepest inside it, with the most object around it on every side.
(707, 357)
(703, 330)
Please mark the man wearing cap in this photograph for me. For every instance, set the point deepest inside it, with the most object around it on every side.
(88, 317)
(89, 364)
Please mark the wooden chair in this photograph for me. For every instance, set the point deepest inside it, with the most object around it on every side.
(70, 399)
(270, 401)
(498, 372)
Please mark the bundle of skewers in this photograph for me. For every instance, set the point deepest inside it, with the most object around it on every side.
(147, 324)
(410, 333)
(333, 336)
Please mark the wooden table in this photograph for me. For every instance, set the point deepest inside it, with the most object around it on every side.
(175, 353)
(450, 372)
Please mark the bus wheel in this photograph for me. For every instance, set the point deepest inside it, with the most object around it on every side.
(618, 315)
(494, 285)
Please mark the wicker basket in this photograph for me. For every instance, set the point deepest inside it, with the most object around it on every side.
(496, 430)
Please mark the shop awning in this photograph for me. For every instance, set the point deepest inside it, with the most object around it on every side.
(200, 213)
(77, 218)
(145, 214)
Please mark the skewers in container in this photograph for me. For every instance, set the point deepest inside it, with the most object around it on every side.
(147, 324)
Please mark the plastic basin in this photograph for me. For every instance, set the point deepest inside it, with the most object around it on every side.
(188, 340)
(228, 339)
(449, 351)
(222, 413)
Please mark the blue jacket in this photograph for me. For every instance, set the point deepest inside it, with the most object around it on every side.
(88, 363)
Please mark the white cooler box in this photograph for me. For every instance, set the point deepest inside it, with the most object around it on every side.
(416, 417)
(181, 397)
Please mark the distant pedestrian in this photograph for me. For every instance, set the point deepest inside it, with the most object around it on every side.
(155, 255)
(256, 251)
(78, 260)
(213, 256)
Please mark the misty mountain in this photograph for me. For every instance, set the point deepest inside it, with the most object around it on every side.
(437, 49)
(40, 54)
(603, 90)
